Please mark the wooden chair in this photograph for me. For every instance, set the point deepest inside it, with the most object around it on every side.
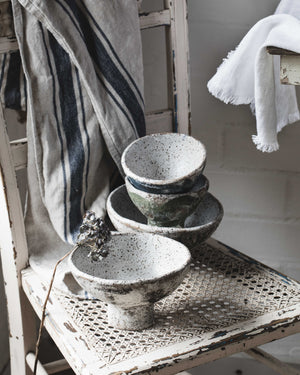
(228, 303)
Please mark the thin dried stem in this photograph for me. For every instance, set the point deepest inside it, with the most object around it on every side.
(44, 309)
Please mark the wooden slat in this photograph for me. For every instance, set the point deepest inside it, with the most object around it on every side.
(47, 368)
(178, 66)
(8, 44)
(159, 121)
(30, 359)
(268, 360)
(155, 19)
(281, 51)
(19, 153)
(290, 70)
(12, 241)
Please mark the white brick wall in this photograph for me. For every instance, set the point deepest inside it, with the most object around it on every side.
(260, 192)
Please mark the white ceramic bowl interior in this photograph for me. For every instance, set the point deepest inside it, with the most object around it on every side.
(166, 158)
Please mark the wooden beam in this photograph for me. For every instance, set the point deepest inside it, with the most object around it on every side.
(178, 66)
(280, 51)
(159, 121)
(290, 69)
(8, 44)
(19, 153)
(155, 19)
(272, 362)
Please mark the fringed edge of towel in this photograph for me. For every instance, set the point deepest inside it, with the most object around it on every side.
(225, 96)
(261, 146)
(293, 117)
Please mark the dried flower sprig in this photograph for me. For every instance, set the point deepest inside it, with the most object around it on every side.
(95, 233)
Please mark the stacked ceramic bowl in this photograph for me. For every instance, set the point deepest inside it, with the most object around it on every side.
(165, 191)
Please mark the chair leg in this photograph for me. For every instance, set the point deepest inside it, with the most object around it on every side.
(272, 362)
(48, 368)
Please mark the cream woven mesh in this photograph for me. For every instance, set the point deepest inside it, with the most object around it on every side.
(218, 291)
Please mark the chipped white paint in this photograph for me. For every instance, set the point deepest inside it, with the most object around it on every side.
(178, 66)
(13, 238)
(290, 69)
(77, 342)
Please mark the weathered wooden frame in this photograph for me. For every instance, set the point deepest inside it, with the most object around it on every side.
(289, 65)
(14, 252)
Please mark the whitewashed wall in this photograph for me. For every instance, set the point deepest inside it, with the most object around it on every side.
(260, 192)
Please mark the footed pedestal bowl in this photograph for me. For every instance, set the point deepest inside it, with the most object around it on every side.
(139, 270)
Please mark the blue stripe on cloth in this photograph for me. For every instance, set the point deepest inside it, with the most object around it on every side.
(58, 132)
(98, 76)
(12, 93)
(2, 69)
(86, 134)
(70, 125)
(108, 68)
(112, 50)
(25, 91)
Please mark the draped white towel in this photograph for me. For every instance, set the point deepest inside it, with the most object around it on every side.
(250, 75)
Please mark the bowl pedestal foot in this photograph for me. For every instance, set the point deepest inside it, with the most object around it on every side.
(132, 318)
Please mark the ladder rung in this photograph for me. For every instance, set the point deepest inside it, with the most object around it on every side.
(159, 121)
(8, 44)
(155, 19)
(19, 152)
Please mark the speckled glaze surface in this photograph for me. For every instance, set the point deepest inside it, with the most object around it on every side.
(140, 269)
(168, 210)
(197, 227)
(164, 163)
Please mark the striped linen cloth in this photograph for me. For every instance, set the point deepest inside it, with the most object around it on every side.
(83, 65)
(12, 81)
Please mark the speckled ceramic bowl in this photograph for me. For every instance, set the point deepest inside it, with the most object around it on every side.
(167, 163)
(168, 210)
(197, 227)
(140, 269)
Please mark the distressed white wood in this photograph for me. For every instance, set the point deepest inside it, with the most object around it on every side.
(56, 366)
(47, 368)
(68, 339)
(159, 121)
(178, 66)
(14, 257)
(290, 70)
(155, 19)
(272, 362)
(30, 359)
(19, 153)
(174, 358)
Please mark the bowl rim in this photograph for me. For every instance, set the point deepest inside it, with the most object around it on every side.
(155, 182)
(134, 282)
(143, 228)
(170, 196)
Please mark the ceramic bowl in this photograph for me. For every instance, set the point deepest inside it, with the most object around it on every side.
(167, 163)
(140, 269)
(168, 210)
(197, 227)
